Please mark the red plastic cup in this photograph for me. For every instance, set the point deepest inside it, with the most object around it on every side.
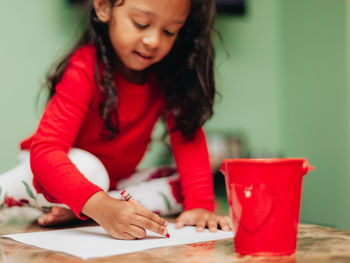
(264, 200)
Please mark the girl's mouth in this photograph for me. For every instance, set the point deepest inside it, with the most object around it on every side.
(143, 56)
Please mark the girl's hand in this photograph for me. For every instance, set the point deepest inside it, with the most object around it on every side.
(122, 219)
(202, 218)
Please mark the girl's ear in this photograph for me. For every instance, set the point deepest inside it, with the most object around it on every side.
(103, 10)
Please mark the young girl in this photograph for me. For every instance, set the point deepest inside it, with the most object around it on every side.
(138, 61)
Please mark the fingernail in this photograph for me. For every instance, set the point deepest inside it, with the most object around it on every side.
(165, 232)
(226, 228)
(166, 223)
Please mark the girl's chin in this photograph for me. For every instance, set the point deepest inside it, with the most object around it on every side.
(134, 67)
(133, 75)
(137, 66)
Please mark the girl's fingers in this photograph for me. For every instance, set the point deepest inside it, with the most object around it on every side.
(143, 212)
(230, 222)
(213, 225)
(226, 223)
(147, 223)
(125, 236)
(136, 231)
(200, 225)
(202, 218)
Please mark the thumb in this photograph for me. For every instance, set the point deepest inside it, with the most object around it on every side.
(183, 219)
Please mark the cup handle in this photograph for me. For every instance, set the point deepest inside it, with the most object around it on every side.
(307, 168)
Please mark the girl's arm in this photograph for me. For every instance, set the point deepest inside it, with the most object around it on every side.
(192, 159)
(53, 171)
(193, 165)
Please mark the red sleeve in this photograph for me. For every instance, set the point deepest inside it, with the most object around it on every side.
(192, 159)
(52, 169)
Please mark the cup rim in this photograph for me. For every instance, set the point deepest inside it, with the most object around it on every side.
(264, 160)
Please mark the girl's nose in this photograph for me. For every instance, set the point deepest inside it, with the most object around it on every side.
(151, 40)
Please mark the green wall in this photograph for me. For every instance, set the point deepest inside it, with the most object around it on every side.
(248, 79)
(284, 86)
(33, 35)
(315, 104)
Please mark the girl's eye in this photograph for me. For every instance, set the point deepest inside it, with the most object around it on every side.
(169, 33)
(140, 26)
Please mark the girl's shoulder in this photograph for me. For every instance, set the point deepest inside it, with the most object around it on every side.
(84, 58)
(78, 81)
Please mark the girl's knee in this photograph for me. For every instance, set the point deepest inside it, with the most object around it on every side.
(90, 166)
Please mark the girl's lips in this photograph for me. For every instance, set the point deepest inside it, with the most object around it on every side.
(144, 56)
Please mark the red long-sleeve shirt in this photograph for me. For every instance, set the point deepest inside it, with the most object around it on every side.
(72, 119)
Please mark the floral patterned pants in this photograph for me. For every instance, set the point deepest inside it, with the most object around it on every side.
(157, 189)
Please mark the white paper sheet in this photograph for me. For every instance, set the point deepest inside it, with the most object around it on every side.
(93, 241)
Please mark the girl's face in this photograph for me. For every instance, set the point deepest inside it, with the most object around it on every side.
(143, 32)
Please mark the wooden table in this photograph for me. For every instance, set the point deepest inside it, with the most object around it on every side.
(315, 244)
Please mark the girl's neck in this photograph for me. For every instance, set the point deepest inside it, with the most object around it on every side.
(132, 76)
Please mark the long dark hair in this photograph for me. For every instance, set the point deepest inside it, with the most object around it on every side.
(186, 74)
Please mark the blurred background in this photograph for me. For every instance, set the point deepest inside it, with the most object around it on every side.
(281, 69)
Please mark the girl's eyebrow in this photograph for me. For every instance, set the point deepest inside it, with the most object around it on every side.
(138, 9)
